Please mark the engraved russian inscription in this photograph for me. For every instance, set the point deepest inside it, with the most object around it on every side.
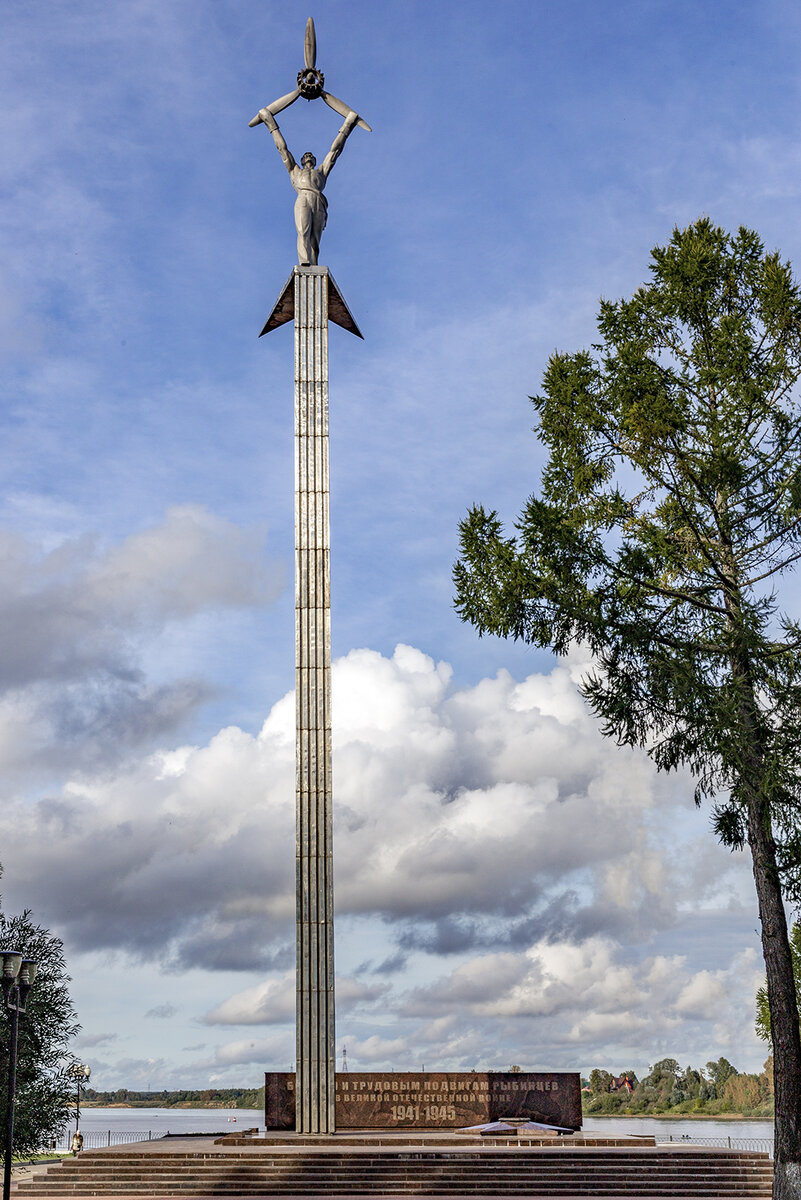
(417, 1100)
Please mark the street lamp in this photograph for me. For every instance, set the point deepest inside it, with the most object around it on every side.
(18, 975)
(80, 1073)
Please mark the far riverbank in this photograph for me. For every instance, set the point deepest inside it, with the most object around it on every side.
(673, 1117)
(229, 1106)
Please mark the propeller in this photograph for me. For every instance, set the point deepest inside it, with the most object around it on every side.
(310, 84)
(310, 46)
(339, 106)
(277, 106)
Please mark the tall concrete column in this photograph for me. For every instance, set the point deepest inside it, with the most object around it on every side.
(312, 298)
(314, 1096)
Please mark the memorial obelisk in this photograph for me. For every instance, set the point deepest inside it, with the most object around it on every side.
(311, 298)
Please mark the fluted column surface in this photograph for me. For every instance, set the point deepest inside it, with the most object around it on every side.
(315, 911)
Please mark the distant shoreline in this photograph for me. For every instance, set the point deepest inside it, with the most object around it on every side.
(673, 1117)
(224, 1107)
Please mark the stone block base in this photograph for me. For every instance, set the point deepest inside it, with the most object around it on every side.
(434, 1099)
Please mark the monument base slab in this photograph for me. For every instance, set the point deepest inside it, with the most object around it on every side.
(399, 1100)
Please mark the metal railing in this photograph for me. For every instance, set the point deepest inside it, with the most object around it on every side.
(97, 1139)
(761, 1144)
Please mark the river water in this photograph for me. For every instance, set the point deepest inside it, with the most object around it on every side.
(107, 1126)
(113, 1126)
(159, 1121)
(738, 1135)
(676, 1129)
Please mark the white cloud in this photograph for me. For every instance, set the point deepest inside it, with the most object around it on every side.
(491, 803)
(510, 865)
(272, 1002)
(377, 1049)
(244, 1051)
(75, 622)
(194, 560)
(548, 979)
(594, 1000)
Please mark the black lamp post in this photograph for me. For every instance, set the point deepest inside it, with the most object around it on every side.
(80, 1073)
(18, 975)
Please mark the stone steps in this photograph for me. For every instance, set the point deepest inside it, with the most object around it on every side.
(492, 1172)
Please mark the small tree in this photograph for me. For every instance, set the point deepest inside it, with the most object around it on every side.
(663, 1073)
(691, 1083)
(607, 1102)
(600, 1081)
(662, 1081)
(44, 1090)
(743, 1093)
(669, 507)
(718, 1074)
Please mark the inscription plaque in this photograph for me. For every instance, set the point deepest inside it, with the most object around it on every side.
(434, 1099)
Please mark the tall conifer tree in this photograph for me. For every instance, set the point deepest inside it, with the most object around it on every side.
(667, 512)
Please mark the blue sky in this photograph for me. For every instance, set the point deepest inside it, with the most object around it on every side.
(510, 887)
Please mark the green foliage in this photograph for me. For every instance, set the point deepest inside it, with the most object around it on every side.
(668, 1089)
(691, 1083)
(762, 1006)
(718, 1074)
(746, 1093)
(600, 1082)
(664, 1073)
(44, 1090)
(252, 1098)
(607, 1103)
(669, 505)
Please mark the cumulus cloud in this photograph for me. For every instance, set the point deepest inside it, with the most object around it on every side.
(193, 561)
(235, 1053)
(588, 1000)
(273, 1001)
(223, 1063)
(568, 980)
(73, 624)
(488, 842)
(375, 1049)
(463, 818)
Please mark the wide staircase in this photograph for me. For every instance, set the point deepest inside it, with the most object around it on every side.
(422, 1171)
